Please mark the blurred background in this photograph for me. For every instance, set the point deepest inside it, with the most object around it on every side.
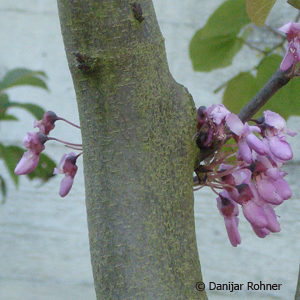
(44, 252)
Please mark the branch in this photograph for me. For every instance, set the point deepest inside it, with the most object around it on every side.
(277, 81)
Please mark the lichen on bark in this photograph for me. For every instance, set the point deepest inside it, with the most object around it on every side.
(139, 154)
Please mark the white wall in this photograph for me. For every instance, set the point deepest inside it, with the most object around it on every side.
(43, 239)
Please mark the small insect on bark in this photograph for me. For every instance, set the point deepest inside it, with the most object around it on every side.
(83, 64)
(137, 12)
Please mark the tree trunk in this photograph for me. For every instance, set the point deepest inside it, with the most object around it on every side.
(137, 128)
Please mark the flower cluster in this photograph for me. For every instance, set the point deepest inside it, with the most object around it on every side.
(34, 142)
(292, 56)
(247, 169)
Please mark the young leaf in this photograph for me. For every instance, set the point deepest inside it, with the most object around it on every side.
(258, 10)
(4, 102)
(34, 109)
(11, 155)
(6, 117)
(245, 86)
(216, 52)
(215, 45)
(3, 189)
(239, 90)
(20, 76)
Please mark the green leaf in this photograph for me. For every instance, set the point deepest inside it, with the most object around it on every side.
(21, 76)
(36, 110)
(4, 103)
(243, 87)
(258, 10)
(295, 3)
(11, 155)
(216, 52)
(6, 117)
(44, 170)
(215, 45)
(3, 189)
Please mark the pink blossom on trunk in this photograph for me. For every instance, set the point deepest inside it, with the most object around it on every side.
(292, 56)
(47, 123)
(34, 141)
(229, 209)
(67, 166)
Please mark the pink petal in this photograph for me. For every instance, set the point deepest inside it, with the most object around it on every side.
(244, 151)
(283, 189)
(280, 148)
(231, 225)
(275, 120)
(65, 185)
(249, 129)
(256, 144)
(235, 124)
(268, 191)
(34, 141)
(217, 112)
(286, 27)
(291, 132)
(28, 163)
(273, 173)
(291, 29)
(260, 232)
(287, 61)
(273, 224)
(254, 214)
(242, 176)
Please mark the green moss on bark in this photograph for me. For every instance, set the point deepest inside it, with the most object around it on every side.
(137, 128)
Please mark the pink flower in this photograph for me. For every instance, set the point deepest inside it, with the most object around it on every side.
(292, 56)
(230, 211)
(280, 148)
(254, 180)
(274, 131)
(34, 141)
(28, 163)
(47, 123)
(275, 124)
(217, 112)
(254, 214)
(268, 191)
(272, 223)
(68, 167)
(247, 141)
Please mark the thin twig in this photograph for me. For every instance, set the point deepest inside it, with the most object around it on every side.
(277, 81)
